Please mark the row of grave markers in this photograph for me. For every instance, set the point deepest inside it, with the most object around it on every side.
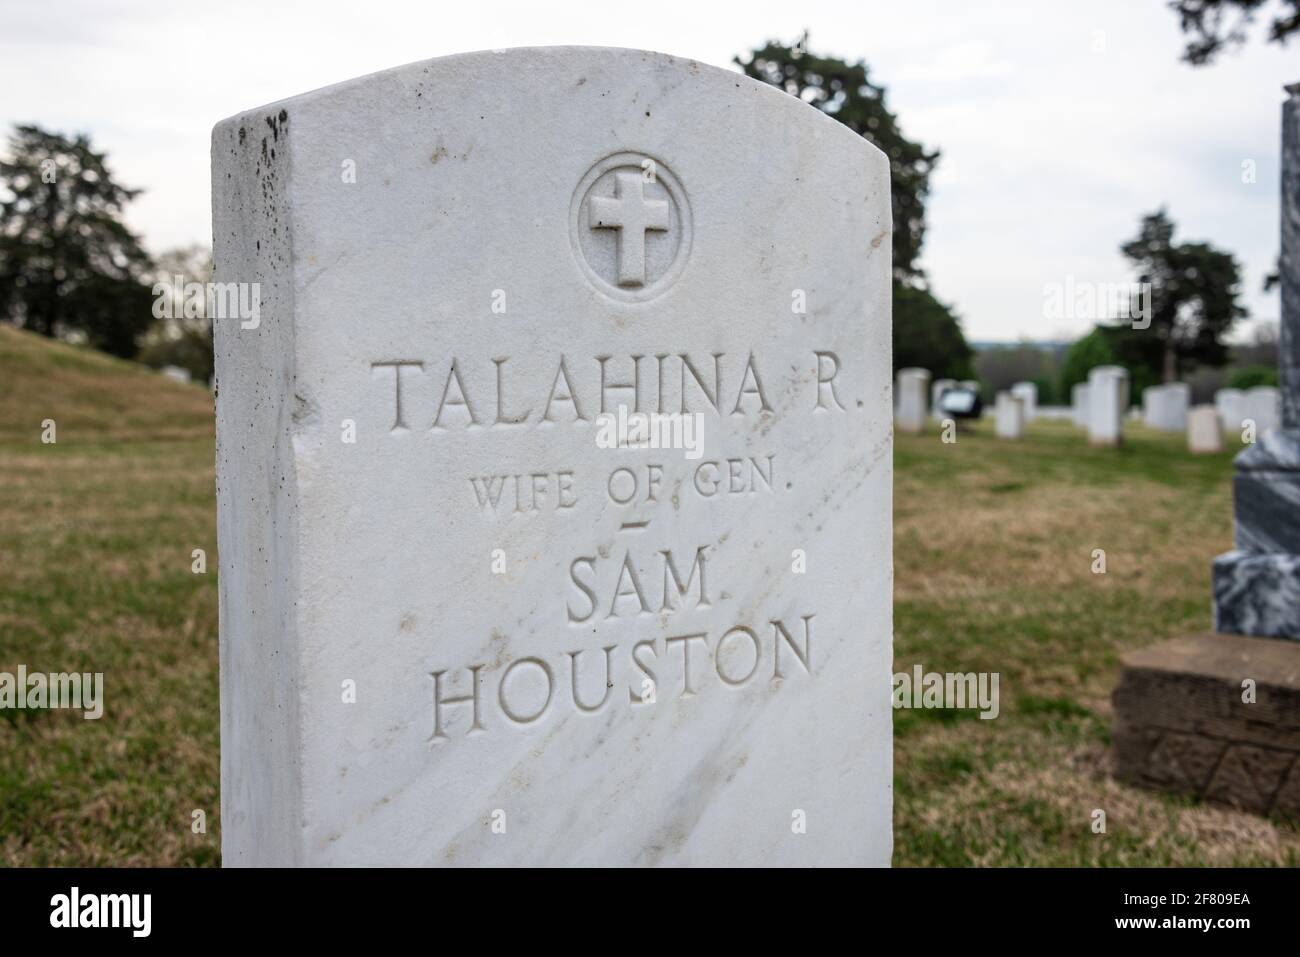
(1100, 406)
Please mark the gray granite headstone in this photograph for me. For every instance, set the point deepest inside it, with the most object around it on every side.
(1257, 586)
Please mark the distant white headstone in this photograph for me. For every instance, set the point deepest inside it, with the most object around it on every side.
(1263, 404)
(177, 373)
(1204, 432)
(1009, 416)
(1079, 404)
(1164, 407)
(1108, 388)
(472, 610)
(912, 387)
(1231, 405)
(1027, 393)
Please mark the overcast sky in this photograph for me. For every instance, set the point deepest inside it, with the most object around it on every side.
(1060, 122)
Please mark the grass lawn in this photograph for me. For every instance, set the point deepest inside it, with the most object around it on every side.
(993, 555)
(96, 532)
(993, 552)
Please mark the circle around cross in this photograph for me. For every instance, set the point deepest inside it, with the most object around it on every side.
(630, 226)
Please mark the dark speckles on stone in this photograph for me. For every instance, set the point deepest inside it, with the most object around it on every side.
(243, 135)
(275, 122)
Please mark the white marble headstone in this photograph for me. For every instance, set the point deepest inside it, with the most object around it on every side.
(1027, 393)
(1009, 416)
(1079, 404)
(1231, 405)
(1108, 390)
(1263, 405)
(1204, 431)
(462, 622)
(912, 387)
(1164, 407)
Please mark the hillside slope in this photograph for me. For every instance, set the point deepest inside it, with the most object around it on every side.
(91, 396)
(97, 533)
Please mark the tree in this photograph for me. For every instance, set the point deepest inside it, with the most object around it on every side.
(1000, 368)
(1207, 21)
(926, 333)
(1251, 376)
(186, 339)
(1085, 354)
(1193, 298)
(69, 266)
(1108, 345)
(844, 91)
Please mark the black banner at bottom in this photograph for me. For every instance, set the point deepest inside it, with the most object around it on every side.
(188, 906)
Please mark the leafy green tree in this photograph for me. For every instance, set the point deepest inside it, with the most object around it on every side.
(1212, 33)
(1251, 376)
(1108, 345)
(1193, 298)
(926, 333)
(69, 266)
(1000, 368)
(1088, 351)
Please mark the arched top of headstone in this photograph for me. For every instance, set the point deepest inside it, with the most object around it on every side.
(638, 155)
(591, 70)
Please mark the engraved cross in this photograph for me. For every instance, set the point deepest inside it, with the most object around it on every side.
(632, 215)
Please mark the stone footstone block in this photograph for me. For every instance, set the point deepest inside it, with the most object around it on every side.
(1181, 723)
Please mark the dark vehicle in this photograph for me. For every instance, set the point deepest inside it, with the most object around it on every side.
(960, 402)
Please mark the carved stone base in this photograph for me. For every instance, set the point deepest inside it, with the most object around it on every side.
(1181, 724)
